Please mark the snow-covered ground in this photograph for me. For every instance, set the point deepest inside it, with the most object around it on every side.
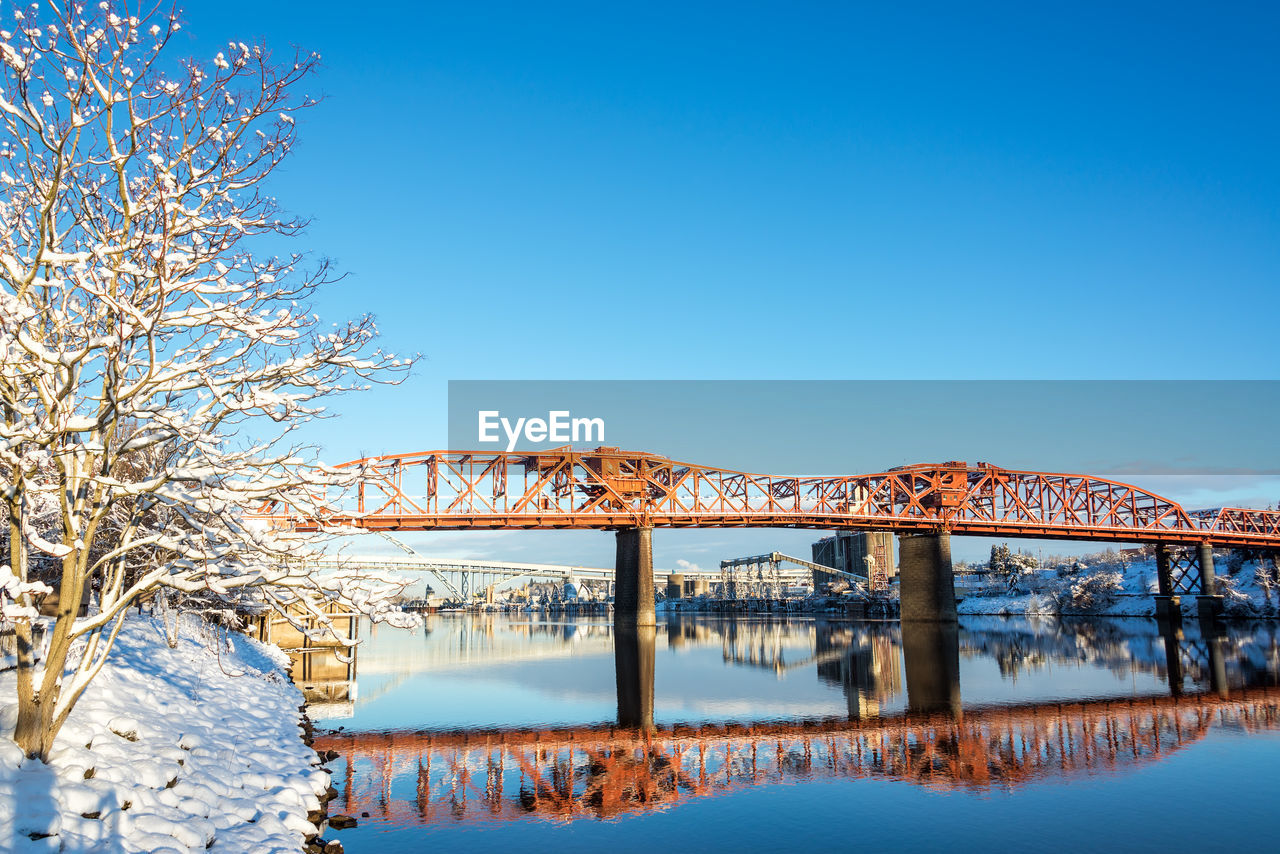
(185, 749)
(1242, 595)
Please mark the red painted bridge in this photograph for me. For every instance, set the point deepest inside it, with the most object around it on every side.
(608, 488)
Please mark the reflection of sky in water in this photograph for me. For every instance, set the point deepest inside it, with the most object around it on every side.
(982, 682)
(500, 672)
(1225, 777)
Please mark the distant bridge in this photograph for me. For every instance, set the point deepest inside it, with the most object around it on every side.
(480, 573)
(746, 575)
(605, 772)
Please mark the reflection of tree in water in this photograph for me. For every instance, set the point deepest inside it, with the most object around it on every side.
(1030, 645)
(1251, 651)
(862, 657)
(1015, 657)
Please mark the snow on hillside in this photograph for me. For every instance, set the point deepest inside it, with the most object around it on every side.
(185, 749)
(1135, 587)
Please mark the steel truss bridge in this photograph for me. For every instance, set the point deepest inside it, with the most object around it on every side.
(604, 772)
(608, 488)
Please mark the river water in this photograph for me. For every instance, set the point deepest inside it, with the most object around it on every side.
(531, 733)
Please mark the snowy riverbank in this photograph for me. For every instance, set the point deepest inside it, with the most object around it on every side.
(1132, 592)
(185, 749)
(1031, 605)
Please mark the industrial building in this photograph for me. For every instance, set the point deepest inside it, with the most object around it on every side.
(868, 553)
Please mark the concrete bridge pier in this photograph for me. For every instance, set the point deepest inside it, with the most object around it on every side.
(633, 574)
(1168, 605)
(633, 661)
(1208, 603)
(931, 659)
(926, 581)
(1171, 632)
(1217, 664)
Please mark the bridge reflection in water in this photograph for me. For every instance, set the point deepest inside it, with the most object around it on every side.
(606, 771)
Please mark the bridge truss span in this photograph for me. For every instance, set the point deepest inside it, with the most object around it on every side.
(608, 488)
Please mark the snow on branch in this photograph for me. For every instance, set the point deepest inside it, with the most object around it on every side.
(16, 593)
(154, 364)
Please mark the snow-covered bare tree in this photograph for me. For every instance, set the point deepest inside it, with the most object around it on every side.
(1090, 591)
(153, 364)
(1009, 566)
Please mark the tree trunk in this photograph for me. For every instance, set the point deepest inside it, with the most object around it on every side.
(37, 728)
(29, 734)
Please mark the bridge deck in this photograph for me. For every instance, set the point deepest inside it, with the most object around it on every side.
(612, 489)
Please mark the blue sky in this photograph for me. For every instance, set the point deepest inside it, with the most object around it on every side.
(784, 190)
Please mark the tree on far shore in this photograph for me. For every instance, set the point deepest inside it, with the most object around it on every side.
(1009, 566)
